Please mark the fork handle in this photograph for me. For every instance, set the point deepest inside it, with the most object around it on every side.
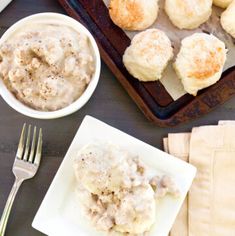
(8, 206)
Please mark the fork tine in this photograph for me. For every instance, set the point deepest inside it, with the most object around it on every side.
(39, 149)
(26, 151)
(33, 145)
(20, 149)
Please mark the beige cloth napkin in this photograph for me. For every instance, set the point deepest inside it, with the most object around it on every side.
(178, 146)
(192, 219)
(211, 199)
(165, 145)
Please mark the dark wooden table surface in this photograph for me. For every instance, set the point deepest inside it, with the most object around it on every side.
(110, 103)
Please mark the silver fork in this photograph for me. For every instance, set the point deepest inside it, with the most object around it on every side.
(25, 167)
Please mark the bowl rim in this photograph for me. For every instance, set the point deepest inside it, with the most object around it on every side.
(58, 18)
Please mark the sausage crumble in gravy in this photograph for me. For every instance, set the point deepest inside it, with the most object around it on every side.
(47, 66)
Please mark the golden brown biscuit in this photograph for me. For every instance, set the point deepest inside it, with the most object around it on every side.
(148, 55)
(133, 14)
(200, 61)
(188, 14)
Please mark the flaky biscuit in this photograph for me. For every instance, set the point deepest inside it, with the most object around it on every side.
(228, 19)
(133, 14)
(200, 61)
(148, 55)
(188, 14)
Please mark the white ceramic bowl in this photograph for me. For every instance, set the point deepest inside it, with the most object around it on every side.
(81, 101)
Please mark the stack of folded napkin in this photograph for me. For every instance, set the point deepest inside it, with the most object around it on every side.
(209, 209)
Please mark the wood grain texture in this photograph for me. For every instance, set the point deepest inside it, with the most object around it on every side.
(110, 103)
(151, 97)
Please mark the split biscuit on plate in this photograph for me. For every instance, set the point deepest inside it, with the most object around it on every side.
(228, 19)
(148, 55)
(200, 61)
(133, 14)
(188, 14)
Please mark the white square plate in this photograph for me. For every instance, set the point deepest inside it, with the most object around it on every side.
(59, 213)
(4, 3)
